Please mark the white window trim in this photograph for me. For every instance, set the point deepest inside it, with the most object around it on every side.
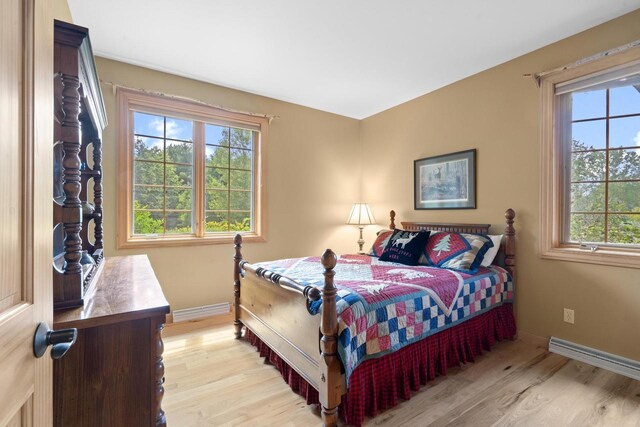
(129, 100)
(551, 244)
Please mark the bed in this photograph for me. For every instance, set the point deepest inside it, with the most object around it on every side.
(312, 318)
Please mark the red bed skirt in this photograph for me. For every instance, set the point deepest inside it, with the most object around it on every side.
(377, 384)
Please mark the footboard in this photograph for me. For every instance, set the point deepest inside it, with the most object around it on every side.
(275, 308)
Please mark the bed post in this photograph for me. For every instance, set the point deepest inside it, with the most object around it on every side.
(331, 387)
(392, 216)
(236, 285)
(510, 244)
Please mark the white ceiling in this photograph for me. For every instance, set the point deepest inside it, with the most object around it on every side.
(354, 57)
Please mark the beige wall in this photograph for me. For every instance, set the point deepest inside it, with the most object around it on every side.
(312, 180)
(61, 11)
(497, 112)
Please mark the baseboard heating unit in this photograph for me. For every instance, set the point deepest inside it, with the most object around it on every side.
(194, 313)
(620, 365)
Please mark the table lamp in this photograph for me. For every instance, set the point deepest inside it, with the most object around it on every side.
(360, 215)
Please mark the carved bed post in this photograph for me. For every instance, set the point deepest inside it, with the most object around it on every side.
(392, 224)
(236, 284)
(510, 244)
(331, 386)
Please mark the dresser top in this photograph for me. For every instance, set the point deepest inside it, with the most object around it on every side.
(126, 289)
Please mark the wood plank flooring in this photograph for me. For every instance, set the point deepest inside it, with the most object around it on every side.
(214, 380)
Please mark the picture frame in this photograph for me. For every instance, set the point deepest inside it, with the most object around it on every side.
(447, 181)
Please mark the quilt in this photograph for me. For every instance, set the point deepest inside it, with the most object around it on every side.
(383, 306)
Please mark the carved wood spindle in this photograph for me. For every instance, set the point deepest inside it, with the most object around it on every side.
(510, 244)
(331, 387)
(392, 216)
(161, 419)
(97, 194)
(72, 208)
(236, 284)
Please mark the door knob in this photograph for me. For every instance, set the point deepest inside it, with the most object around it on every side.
(60, 341)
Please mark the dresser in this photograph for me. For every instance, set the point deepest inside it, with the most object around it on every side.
(113, 375)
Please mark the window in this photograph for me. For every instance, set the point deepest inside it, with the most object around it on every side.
(591, 161)
(188, 173)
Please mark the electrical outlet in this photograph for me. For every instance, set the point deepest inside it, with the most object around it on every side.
(569, 316)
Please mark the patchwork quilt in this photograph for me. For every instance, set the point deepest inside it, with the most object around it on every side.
(383, 306)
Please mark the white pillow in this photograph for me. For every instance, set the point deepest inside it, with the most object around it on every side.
(492, 252)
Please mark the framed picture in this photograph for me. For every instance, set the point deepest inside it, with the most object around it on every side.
(445, 182)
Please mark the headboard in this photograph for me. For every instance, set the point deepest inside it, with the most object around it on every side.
(506, 254)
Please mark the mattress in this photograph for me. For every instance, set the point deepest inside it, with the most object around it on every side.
(384, 306)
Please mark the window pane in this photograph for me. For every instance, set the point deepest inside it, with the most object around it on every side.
(241, 138)
(217, 156)
(587, 228)
(624, 196)
(588, 166)
(179, 222)
(148, 197)
(148, 124)
(216, 200)
(624, 132)
(624, 229)
(217, 221)
(589, 135)
(589, 105)
(179, 129)
(179, 198)
(179, 175)
(148, 148)
(217, 178)
(148, 173)
(218, 135)
(240, 180)
(241, 159)
(624, 164)
(145, 222)
(587, 197)
(179, 152)
(240, 221)
(240, 200)
(624, 100)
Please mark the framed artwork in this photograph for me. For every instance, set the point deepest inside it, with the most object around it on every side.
(445, 182)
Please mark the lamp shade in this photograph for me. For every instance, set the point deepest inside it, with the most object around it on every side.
(361, 215)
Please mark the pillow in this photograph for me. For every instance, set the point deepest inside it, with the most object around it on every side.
(405, 247)
(381, 242)
(457, 251)
(493, 251)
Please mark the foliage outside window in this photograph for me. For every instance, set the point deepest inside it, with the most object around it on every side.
(591, 161)
(193, 172)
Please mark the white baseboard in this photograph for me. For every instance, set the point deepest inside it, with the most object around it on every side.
(194, 313)
(611, 362)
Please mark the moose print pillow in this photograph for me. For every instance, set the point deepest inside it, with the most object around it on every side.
(405, 247)
(456, 251)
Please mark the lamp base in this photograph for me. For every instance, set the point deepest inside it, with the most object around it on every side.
(361, 241)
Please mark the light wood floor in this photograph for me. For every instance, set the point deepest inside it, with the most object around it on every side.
(214, 380)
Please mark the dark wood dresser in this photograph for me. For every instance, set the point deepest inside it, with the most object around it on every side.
(113, 375)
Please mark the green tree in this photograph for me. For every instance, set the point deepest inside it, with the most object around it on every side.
(590, 196)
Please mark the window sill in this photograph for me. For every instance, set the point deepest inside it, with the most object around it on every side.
(629, 258)
(174, 241)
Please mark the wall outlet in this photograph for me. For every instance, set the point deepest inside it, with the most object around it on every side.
(569, 316)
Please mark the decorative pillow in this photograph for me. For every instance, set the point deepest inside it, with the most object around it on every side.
(405, 247)
(381, 242)
(456, 251)
(493, 251)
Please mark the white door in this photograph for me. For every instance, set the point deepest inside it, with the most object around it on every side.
(26, 123)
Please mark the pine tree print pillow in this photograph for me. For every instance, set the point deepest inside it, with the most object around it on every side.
(405, 247)
(456, 251)
(381, 242)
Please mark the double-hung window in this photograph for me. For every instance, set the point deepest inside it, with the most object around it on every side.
(591, 161)
(188, 173)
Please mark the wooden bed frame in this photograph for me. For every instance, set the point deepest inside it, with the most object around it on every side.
(275, 308)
